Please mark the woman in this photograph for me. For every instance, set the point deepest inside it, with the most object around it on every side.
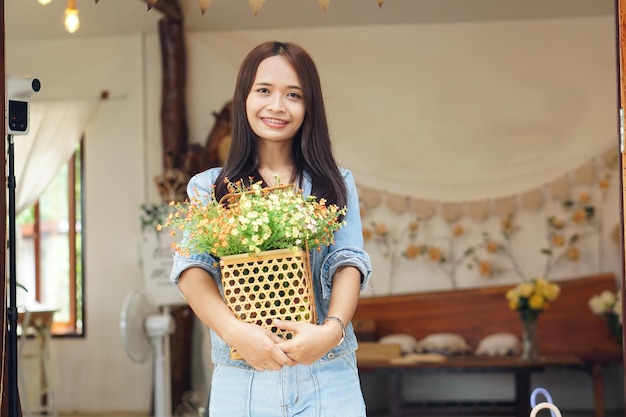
(280, 133)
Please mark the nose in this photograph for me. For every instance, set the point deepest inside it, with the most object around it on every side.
(276, 103)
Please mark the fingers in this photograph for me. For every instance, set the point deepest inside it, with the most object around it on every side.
(288, 325)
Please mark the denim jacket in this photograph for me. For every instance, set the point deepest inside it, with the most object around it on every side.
(346, 251)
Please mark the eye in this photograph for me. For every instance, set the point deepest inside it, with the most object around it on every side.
(263, 90)
(294, 95)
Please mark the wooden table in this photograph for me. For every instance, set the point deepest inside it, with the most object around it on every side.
(520, 405)
(34, 325)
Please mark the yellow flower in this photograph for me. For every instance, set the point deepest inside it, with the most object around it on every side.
(507, 223)
(412, 251)
(573, 254)
(536, 302)
(558, 240)
(604, 183)
(551, 292)
(485, 268)
(492, 246)
(434, 254)
(556, 223)
(458, 230)
(525, 289)
(584, 198)
(533, 296)
(579, 216)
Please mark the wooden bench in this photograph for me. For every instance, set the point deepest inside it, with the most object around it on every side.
(570, 336)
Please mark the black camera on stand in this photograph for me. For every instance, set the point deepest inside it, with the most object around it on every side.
(18, 90)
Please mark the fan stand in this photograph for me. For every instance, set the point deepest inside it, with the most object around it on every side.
(158, 328)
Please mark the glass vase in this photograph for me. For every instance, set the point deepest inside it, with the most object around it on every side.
(615, 327)
(530, 346)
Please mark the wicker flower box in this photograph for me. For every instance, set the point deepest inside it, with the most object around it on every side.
(268, 285)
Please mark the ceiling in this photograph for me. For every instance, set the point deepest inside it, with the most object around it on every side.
(28, 20)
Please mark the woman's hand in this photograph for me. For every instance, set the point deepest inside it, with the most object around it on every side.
(259, 347)
(310, 341)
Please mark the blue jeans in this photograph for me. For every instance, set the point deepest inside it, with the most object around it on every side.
(323, 389)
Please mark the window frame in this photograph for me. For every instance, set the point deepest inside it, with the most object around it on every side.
(68, 328)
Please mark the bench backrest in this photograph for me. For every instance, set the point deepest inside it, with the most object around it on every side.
(567, 328)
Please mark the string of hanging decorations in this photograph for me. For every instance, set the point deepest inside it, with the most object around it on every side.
(72, 21)
(254, 4)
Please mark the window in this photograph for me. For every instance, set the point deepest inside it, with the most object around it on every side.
(49, 249)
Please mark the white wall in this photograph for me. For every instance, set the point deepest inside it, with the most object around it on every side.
(94, 373)
(372, 103)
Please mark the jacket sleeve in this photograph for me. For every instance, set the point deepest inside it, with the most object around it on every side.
(201, 186)
(347, 250)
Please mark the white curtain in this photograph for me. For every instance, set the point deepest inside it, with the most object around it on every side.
(55, 130)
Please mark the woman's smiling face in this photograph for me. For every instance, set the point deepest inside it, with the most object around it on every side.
(275, 106)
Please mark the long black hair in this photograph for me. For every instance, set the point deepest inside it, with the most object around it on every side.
(311, 149)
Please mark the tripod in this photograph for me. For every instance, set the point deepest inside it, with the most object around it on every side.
(14, 398)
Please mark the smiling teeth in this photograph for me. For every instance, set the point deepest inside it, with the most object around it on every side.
(275, 121)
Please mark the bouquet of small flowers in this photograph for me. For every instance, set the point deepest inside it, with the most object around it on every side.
(253, 219)
(262, 237)
(532, 297)
(609, 305)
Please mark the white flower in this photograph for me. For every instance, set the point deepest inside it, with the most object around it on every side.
(608, 297)
(606, 302)
(596, 304)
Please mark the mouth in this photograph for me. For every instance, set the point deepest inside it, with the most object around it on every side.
(274, 122)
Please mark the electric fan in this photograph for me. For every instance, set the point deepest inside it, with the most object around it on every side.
(146, 331)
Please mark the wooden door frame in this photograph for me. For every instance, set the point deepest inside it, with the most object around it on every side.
(620, 20)
(4, 377)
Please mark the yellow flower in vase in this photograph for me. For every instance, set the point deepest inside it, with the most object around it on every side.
(529, 299)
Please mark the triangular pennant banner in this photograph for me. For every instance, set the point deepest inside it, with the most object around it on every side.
(505, 206)
(479, 210)
(586, 174)
(150, 3)
(204, 5)
(324, 4)
(397, 203)
(380, 3)
(256, 5)
(370, 198)
(610, 158)
(560, 188)
(423, 208)
(532, 199)
(451, 212)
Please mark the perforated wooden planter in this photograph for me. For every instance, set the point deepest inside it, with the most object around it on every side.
(264, 286)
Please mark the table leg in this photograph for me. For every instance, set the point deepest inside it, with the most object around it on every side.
(598, 389)
(522, 392)
(394, 393)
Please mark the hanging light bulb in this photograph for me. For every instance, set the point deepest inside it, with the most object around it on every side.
(44, 2)
(72, 23)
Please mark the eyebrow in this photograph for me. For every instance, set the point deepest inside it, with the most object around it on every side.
(295, 87)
